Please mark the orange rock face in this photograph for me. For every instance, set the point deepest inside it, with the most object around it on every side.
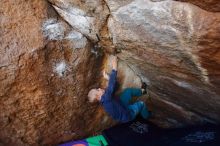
(209, 5)
(46, 69)
(48, 63)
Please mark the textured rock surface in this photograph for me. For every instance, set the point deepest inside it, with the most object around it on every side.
(209, 5)
(87, 17)
(48, 62)
(46, 68)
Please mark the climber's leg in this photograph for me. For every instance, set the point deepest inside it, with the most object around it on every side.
(139, 107)
(127, 94)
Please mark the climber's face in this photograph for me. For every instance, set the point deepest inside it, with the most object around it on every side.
(99, 92)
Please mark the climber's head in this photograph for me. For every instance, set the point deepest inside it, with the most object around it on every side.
(95, 94)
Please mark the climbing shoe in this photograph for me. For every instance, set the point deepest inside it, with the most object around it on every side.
(144, 87)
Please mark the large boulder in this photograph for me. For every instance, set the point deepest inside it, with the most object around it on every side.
(174, 47)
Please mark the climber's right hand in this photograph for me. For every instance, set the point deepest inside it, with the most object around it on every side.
(114, 62)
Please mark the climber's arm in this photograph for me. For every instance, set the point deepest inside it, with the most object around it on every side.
(112, 78)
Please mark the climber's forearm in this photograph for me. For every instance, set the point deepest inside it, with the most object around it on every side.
(112, 81)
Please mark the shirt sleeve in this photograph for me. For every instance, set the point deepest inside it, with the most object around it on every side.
(111, 84)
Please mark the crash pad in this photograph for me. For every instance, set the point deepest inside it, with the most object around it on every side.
(98, 140)
(75, 143)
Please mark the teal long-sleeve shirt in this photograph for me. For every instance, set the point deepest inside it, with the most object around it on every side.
(111, 105)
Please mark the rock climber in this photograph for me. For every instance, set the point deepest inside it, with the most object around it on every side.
(120, 109)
